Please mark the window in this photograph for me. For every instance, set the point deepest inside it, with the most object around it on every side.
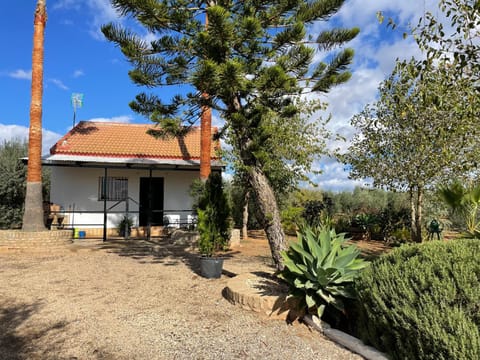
(116, 188)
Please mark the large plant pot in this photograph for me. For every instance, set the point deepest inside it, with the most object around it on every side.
(211, 267)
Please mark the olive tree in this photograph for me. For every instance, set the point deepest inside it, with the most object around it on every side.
(419, 131)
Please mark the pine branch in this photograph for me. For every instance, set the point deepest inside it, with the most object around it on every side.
(328, 40)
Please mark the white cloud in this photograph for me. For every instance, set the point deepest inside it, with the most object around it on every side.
(149, 37)
(122, 119)
(67, 22)
(226, 176)
(58, 83)
(78, 73)
(67, 4)
(334, 177)
(101, 12)
(10, 132)
(21, 74)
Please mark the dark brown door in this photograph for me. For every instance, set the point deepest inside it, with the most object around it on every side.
(151, 201)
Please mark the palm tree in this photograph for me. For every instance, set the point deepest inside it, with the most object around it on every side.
(464, 200)
(205, 140)
(33, 215)
(205, 128)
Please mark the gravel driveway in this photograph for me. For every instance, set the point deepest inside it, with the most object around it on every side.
(138, 300)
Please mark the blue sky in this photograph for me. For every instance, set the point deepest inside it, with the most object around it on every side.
(79, 60)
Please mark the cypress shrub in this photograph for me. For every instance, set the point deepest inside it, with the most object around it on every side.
(214, 223)
(423, 301)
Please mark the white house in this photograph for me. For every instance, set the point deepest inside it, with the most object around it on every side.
(101, 171)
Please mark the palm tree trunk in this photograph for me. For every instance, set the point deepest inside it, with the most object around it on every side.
(205, 130)
(33, 214)
(205, 141)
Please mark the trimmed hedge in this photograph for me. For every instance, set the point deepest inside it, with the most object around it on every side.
(423, 301)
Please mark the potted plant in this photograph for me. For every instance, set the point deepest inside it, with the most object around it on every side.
(124, 227)
(214, 226)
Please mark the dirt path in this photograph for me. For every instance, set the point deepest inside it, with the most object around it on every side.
(140, 300)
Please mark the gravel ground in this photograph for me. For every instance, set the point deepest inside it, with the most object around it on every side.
(139, 300)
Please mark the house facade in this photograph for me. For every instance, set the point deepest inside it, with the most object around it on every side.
(102, 172)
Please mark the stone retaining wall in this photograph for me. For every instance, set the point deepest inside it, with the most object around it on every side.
(35, 240)
(254, 291)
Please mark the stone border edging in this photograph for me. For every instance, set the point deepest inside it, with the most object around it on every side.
(239, 292)
(47, 240)
(348, 341)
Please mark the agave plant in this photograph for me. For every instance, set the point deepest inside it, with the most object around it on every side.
(320, 269)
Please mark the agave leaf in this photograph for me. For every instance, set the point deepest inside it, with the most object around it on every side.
(333, 253)
(344, 260)
(325, 244)
(322, 277)
(345, 278)
(310, 301)
(300, 250)
(290, 265)
(313, 245)
(330, 272)
(345, 291)
(299, 284)
(306, 272)
(320, 310)
(310, 285)
(338, 304)
(358, 264)
(325, 295)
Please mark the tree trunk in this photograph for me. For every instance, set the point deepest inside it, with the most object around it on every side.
(205, 131)
(416, 200)
(205, 141)
(418, 221)
(267, 206)
(245, 215)
(33, 214)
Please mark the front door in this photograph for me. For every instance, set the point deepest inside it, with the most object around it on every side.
(151, 193)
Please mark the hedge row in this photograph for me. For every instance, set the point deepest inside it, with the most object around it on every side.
(423, 301)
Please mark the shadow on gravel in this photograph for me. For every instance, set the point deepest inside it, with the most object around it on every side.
(19, 342)
(159, 251)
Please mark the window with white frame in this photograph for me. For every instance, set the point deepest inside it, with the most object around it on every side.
(113, 189)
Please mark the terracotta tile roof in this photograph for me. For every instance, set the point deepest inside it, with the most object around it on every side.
(108, 139)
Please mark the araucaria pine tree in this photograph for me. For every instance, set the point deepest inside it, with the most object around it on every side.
(255, 59)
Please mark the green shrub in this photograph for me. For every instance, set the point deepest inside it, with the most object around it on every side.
(399, 236)
(214, 222)
(291, 216)
(342, 224)
(423, 301)
(320, 270)
(124, 227)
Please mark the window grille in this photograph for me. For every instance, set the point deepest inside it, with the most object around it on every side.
(116, 188)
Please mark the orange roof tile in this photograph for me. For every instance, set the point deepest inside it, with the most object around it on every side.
(130, 141)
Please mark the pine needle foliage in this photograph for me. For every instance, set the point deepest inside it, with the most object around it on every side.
(251, 52)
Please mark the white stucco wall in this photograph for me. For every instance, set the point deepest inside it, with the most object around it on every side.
(76, 189)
